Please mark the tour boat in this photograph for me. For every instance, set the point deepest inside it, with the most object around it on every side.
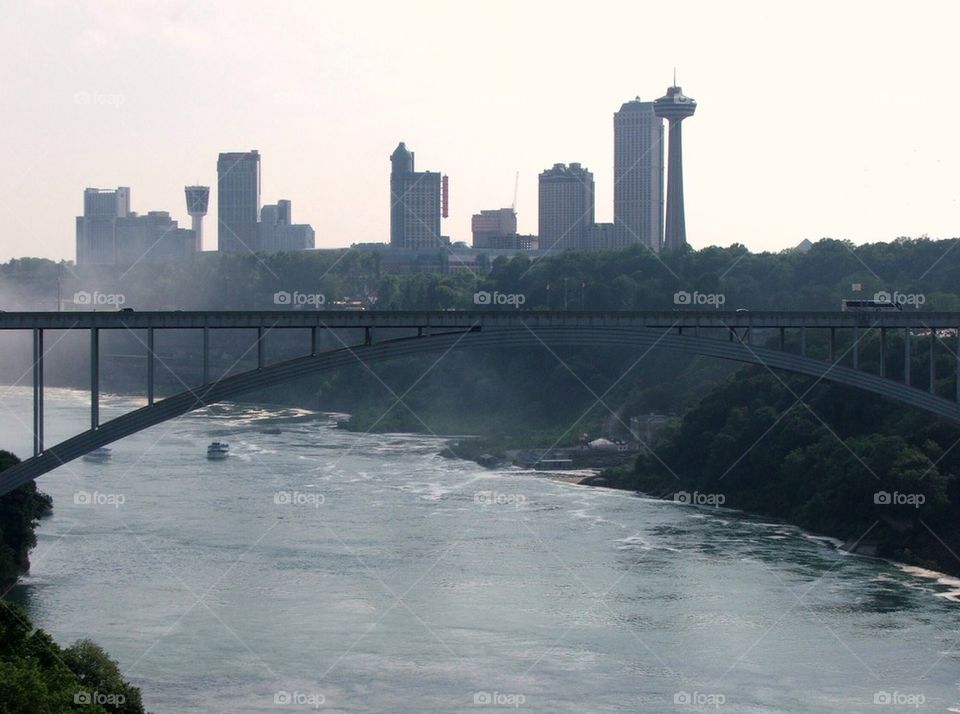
(218, 450)
(99, 455)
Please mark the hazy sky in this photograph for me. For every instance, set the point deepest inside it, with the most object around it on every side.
(814, 119)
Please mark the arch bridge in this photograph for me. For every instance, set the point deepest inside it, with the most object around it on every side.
(775, 339)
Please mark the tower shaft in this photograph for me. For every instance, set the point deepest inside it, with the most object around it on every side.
(675, 235)
(197, 225)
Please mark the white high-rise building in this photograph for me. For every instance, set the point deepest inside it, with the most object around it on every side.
(638, 195)
(96, 228)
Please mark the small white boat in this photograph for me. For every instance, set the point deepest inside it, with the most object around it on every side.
(218, 450)
(99, 455)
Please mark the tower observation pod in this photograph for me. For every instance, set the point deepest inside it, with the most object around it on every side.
(198, 198)
(675, 107)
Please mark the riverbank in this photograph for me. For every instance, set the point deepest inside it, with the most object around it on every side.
(944, 577)
(939, 563)
(39, 674)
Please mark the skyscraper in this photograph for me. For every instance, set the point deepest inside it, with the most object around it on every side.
(674, 106)
(238, 201)
(638, 175)
(97, 227)
(415, 203)
(566, 206)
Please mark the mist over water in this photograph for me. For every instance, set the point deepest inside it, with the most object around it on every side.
(317, 568)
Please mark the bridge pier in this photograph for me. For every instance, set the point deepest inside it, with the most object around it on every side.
(150, 366)
(37, 391)
(906, 356)
(803, 341)
(260, 355)
(856, 347)
(94, 378)
(933, 367)
(833, 345)
(883, 351)
(313, 340)
(206, 355)
(782, 338)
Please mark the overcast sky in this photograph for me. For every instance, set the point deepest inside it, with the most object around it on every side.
(814, 119)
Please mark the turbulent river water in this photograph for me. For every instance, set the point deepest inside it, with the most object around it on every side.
(316, 569)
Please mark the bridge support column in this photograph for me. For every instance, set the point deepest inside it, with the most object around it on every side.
(856, 347)
(206, 355)
(782, 338)
(906, 356)
(260, 354)
(368, 335)
(933, 367)
(803, 341)
(313, 340)
(833, 345)
(150, 366)
(94, 378)
(883, 351)
(37, 391)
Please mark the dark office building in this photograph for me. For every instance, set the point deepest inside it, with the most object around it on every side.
(238, 201)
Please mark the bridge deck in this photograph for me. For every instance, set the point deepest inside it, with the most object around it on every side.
(460, 319)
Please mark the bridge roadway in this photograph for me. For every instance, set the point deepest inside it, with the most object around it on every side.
(461, 319)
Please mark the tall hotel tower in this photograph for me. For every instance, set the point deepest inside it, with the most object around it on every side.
(638, 175)
(566, 206)
(674, 106)
(415, 203)
(238, 201)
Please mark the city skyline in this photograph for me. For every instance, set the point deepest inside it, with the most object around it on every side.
(324, 127)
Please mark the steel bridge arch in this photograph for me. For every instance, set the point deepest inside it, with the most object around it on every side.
(571, 336)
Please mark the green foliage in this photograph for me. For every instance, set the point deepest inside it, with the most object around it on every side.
(36, 675)
(819, 456)
(19, 513)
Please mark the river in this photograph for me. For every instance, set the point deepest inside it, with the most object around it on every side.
(317, 569)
